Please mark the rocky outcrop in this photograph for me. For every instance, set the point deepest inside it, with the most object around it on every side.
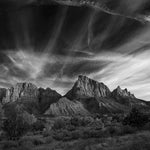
(21, 91)
(86, 87)
(119, 93)
(125, 98)
(65, 107)
(46, 98)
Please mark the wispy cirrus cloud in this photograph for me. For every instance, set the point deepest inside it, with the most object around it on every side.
(50, 45)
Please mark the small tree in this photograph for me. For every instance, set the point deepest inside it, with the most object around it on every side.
(135, 118)
(18, 122)
(15, 128)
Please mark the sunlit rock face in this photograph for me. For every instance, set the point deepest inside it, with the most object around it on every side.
(21, 91)
(86, 87)
(127, 99)
(119, 93)
(46, 98)
(65, 107)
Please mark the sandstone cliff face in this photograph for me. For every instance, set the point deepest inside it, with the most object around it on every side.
(86, 87)
(46, 98)
(21, 91)
(65, 107)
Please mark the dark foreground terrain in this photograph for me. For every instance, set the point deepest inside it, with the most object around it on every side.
(116, 132)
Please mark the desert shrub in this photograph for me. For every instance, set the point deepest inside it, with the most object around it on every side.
(38, 126)
(128, 130)
(38, 141)
(9, 144)
(83, 133)
(138, 145)
(72, 124)
(146, 126)
(96, 124)
(76, 121)
(113, 131)
(60, 134)
(26, 142)
(92, 134)
(31, 141)
(48, 139)
(60, 123)
(81, 121)
(75, 134)
(46, 133)
(117, 117)
(28, 118)
(15, 128)
(64, 135)
(135, 119)
(119, 130)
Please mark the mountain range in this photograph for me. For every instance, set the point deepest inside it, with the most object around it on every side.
(86, 97)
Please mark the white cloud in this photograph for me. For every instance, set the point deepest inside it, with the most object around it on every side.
(30, 62)
(130, 71)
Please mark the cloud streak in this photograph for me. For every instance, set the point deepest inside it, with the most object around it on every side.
(50, 45)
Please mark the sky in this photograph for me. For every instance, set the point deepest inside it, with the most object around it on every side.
(50, 43)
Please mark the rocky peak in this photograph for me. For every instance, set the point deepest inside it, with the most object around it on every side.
(119, 93)
(23, 91)
(86, 87)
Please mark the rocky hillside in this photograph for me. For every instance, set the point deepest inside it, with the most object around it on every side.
(86, 87)
(67, 107)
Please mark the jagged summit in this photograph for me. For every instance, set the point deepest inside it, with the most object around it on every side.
(118, 92)
(86, 87)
